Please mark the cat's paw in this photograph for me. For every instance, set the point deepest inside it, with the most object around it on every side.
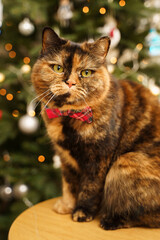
(111, 224)
(62, 207)
(80, 215)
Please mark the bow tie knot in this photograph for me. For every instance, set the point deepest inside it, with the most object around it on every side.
(85, 115)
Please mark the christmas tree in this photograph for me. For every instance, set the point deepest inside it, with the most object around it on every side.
(29, 168)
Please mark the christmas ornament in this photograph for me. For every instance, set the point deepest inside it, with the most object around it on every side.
(65, 13)
(153, 41)
(20, 190)
(110, 29)
(153, 87)
(26, 27)
(2, 77)
(155, 22)
(142, 25)
(6, 156)
(25, 68)
(56, 161)
(129, 55)
(28, 124)
(152, 3)
(6, 192)
(1, 114)
(112, 56)
(1, 15)
(112, 59)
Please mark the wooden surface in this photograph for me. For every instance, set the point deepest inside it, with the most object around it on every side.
(41, 223)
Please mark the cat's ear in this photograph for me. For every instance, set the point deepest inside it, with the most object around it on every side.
(100, 47)
(50, 40)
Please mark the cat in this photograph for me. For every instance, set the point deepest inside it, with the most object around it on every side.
(106, 131)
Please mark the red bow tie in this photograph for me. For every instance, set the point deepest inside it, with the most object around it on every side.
(85, 115)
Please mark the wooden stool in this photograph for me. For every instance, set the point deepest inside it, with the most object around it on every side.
(41, 223)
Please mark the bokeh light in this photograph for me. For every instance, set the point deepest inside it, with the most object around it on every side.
(41, 158)
(85, 9)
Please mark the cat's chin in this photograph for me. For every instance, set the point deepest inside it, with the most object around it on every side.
(66, 99)
(61, 100)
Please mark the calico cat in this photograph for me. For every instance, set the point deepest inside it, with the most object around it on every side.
(107, 133)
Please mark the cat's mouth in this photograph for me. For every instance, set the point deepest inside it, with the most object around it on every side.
(61, 99)
(67, 96)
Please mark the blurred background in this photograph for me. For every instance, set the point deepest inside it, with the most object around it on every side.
(29, 168)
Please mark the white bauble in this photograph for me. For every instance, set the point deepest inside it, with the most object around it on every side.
(26, 68)
(28, 124)
(6, 192)
(1, 13)
(153, 87)
(152, 3)
(110, 29)
(56, 161)
(20, 190)
(64, 12)
(2, 77)
(26, 27)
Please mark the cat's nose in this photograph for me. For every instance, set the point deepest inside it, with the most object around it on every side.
(70, 83)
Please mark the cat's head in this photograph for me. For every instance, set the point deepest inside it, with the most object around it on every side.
(70, 75)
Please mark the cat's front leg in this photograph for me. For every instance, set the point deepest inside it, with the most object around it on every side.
(88, 203)
(90, 195)
(66, 204)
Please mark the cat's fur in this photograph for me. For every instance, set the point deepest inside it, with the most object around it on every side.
(112, 165)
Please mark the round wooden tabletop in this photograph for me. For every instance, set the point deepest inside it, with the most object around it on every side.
(41, 223)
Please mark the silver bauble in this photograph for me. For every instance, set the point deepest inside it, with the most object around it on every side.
(28, 124)
(6, 192)
(26, 27)
(20, 190)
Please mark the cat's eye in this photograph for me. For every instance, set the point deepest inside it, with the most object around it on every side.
(86, 73)
(57, 68)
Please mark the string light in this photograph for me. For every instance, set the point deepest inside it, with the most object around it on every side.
(139, 46)
(144, 63)
(31, 113)
(122, 3)
(41, 158)
(9, 97)
(2, 77)
(9, 24)
(3, 92)
(8, 46)
(8, 190)
(113, 60)
(102, 10)
(12, 54)
(140, 78)
(26, 60)
(15, 113)
(110, 68)
(155, 90)
(26, 68)
(85, 9)
(6, 157)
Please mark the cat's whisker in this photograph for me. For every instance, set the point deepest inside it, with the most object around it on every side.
(42, 99)
(79, 95)
(82, 90)
(39, 96)
(54, 95)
